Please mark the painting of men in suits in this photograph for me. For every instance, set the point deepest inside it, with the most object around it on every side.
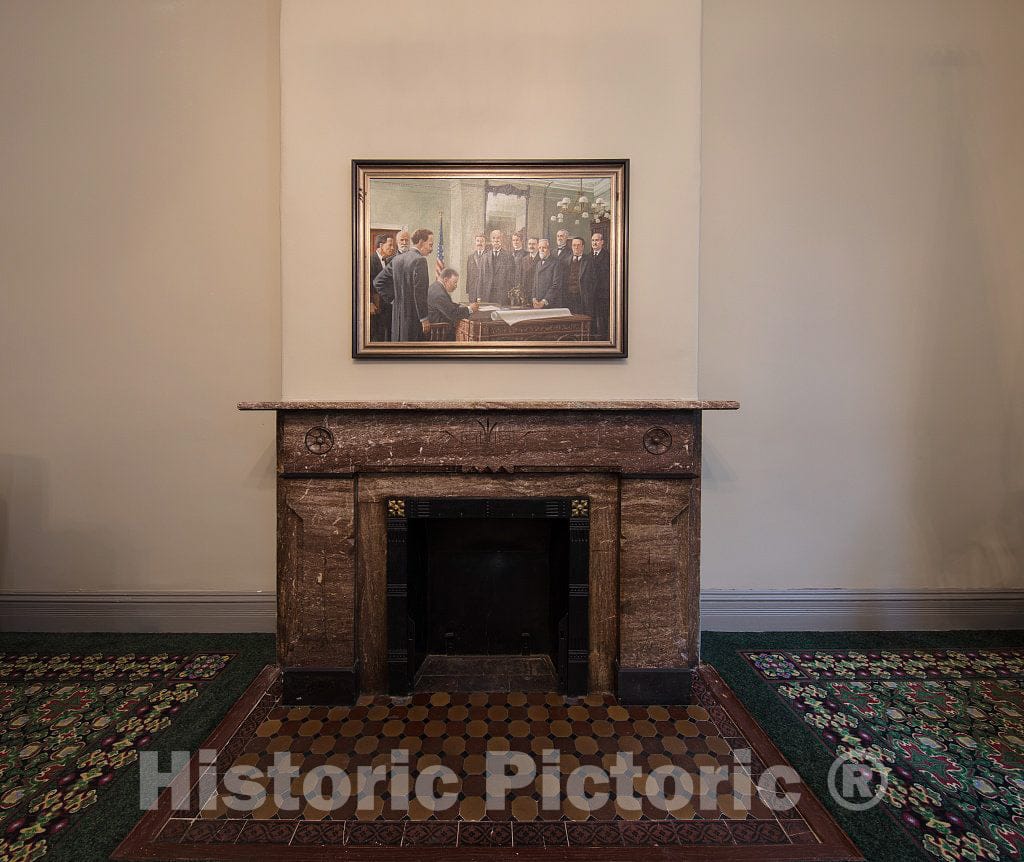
(536, 248)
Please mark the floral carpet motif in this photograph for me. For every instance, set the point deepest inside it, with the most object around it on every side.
(944, 731)
(68, 723)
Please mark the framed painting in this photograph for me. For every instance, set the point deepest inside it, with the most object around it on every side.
(489, 259)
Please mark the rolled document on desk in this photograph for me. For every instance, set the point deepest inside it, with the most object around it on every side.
(512, 317)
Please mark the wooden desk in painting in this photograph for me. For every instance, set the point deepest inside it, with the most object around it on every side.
(480, 327)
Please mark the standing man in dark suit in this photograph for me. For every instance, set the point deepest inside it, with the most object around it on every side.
(475, 266)
(574, 277)
(518, 251)
(563, 251)
(597, 287)
(517, 296)
(440, 306)
(528, 272)
(384, 281)
(499, 271)
(409, 316)
(380, 308)
(548, 274)
(385, 247)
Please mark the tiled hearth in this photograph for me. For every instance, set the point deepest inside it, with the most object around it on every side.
(459, 732)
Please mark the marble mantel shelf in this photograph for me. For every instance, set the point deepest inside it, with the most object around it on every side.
(489, 405)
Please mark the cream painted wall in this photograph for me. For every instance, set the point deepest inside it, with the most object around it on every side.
(862, 274)
(141, 301)
(457, 95)
(862, 294)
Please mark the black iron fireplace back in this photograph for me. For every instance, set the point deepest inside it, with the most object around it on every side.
(470, 576)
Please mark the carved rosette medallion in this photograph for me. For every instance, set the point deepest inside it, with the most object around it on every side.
(319, 440)
(580, 508)
(657, 441)
(396, 508)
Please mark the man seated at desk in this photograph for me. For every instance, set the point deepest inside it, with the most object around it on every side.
(440, 306)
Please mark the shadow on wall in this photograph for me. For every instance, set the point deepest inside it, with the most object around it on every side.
(263, 473)
(994, 556)
(971, 382)
(29, 543)
(715, 469)
(3, 528)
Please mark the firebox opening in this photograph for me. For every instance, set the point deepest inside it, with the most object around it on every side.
(488, 601)
(488, 593)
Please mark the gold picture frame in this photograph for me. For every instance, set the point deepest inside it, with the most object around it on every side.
(423, 287)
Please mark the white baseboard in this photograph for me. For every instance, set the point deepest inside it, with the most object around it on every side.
(138, 612)
(721, 610)
(861, 610)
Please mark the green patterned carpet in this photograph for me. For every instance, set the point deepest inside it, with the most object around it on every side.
(75, 711)
(941, 713)
(940, 717)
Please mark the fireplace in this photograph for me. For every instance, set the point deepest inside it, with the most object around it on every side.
(488, 594)
(492, 487)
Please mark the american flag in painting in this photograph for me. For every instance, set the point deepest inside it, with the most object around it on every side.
(440, 242)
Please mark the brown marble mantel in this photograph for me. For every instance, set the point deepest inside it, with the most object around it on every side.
(489, 405)
(636, 462)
